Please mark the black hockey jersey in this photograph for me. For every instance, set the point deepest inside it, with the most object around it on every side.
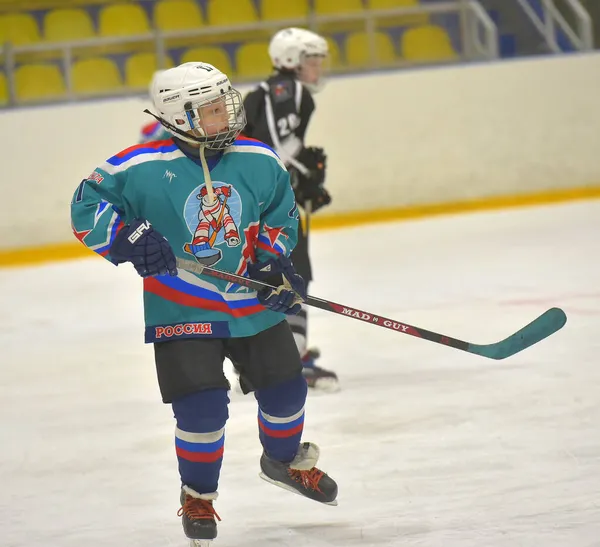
(278, 112)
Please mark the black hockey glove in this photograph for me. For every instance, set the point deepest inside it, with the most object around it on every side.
(290, 288)
(318, 197)
(148, 251)
(315, 160)
(310, 187)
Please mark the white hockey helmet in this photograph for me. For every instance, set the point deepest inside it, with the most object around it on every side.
(198, 99)
(151, 85)
(290, 49)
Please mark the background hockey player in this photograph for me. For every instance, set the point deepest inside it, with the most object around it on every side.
(278, 112)
(141, 206)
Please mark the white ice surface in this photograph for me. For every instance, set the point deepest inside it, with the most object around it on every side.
(430, 446)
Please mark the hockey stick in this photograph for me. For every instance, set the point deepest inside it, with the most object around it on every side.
(546, 324)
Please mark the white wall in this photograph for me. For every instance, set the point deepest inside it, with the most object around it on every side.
(401, 138)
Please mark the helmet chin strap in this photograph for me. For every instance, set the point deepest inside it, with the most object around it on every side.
(201, 152)
(185, 136)
(208, 181)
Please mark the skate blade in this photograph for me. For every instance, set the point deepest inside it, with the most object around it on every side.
(293, 490)
(201, 542)
(327, 385)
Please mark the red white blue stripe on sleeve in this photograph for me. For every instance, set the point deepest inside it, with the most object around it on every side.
(266, 244)
(147, 148)
(247, 145)
(150, 130)
(114, 225)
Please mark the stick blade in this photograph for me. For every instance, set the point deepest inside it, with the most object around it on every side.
(545, 325)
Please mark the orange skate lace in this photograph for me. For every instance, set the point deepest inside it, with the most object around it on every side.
(308, 479)
(195, 508)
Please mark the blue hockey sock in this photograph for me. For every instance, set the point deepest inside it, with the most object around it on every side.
(281, 418)
(200, 437)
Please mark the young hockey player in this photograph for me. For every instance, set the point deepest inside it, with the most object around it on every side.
(278, 112)
(208, 195)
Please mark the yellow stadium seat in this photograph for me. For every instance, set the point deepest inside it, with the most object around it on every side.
(3, 89)
(18, 29)
(215, 56)
(61, 25)
(253, 60)
(358, 52)
(140, 67)
(95, 75)
(335, 7)
(224, 13)
(35, 82)
(177, 15)
(400, 20)
(335, 58)
(123, 20)
(276, 10)
(331, 7)
(428, 43)
(389, 4)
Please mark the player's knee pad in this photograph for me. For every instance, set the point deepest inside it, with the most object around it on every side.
(283, 399)
(203, 411)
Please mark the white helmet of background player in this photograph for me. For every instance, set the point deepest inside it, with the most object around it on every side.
(301, 51)
(198, 100)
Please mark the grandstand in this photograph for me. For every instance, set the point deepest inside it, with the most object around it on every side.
(58, 50)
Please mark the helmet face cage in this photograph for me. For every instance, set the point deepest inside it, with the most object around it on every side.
(215, 123)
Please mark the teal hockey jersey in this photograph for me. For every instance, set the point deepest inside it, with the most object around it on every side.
(254, 217)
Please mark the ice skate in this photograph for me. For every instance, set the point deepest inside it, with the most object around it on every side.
(198, 517)
(316, 377)
(300, 475)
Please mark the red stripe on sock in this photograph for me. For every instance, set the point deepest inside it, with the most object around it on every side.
(281, 433)
(199, 457)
